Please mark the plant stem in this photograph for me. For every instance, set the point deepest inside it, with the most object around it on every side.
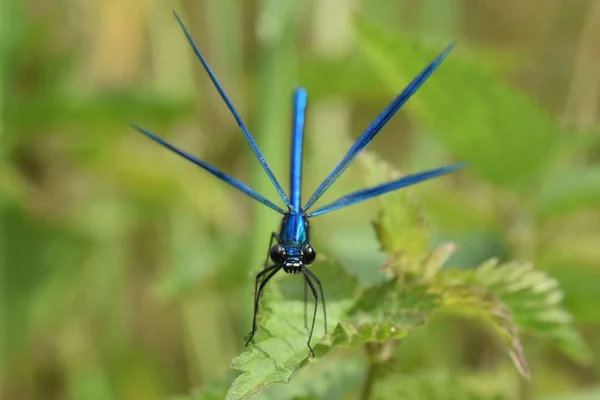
(369, 381)
(379, 354)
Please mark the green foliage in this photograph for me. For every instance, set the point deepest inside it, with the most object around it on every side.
(401, 226)
(506, 298)
(466, 105)
(569, 191)
(342, 373)
(532, 298)
(124, 269)
(433, 385)
(324, 77)
(279, 349)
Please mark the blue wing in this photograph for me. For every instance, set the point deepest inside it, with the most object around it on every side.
(237, 117)
(221, 175)
(300, 101)
(366, 138)
(369, 193)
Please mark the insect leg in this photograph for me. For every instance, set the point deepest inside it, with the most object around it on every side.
(316, 296)
(257, 281)
(273, 270)
(305, 304)
(314, 277)
(273, 238)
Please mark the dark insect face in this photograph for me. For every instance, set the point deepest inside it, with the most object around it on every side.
(277, 254)
(306, 256)
(309, 254)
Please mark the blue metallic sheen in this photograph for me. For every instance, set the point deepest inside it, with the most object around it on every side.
(370, 193)
(206, 166)
(235, 114)
(366, 138)
(294, 230)
(293, 252)
(300, 100)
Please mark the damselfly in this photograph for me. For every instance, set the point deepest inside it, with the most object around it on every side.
(292, 251)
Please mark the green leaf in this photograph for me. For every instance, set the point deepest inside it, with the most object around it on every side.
(533, 298)
(402, 306)
(506, 298)
(469, 108)
(384, 312)
(446, 291)
(568, 191)
(480, 303)
(325, 77)
(324, 380)
(279, 350)
(401, 225)
(420, 294)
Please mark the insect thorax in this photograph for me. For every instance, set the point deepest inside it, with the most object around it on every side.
(294, 230)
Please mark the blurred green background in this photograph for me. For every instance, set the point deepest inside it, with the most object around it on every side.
(126, 272)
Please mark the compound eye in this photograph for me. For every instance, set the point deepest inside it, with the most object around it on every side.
(277, 254)
(309, 254)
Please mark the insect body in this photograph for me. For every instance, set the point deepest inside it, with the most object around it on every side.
(293, 249)
(290, 250)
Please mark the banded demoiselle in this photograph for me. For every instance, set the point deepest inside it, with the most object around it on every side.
(290, 250)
